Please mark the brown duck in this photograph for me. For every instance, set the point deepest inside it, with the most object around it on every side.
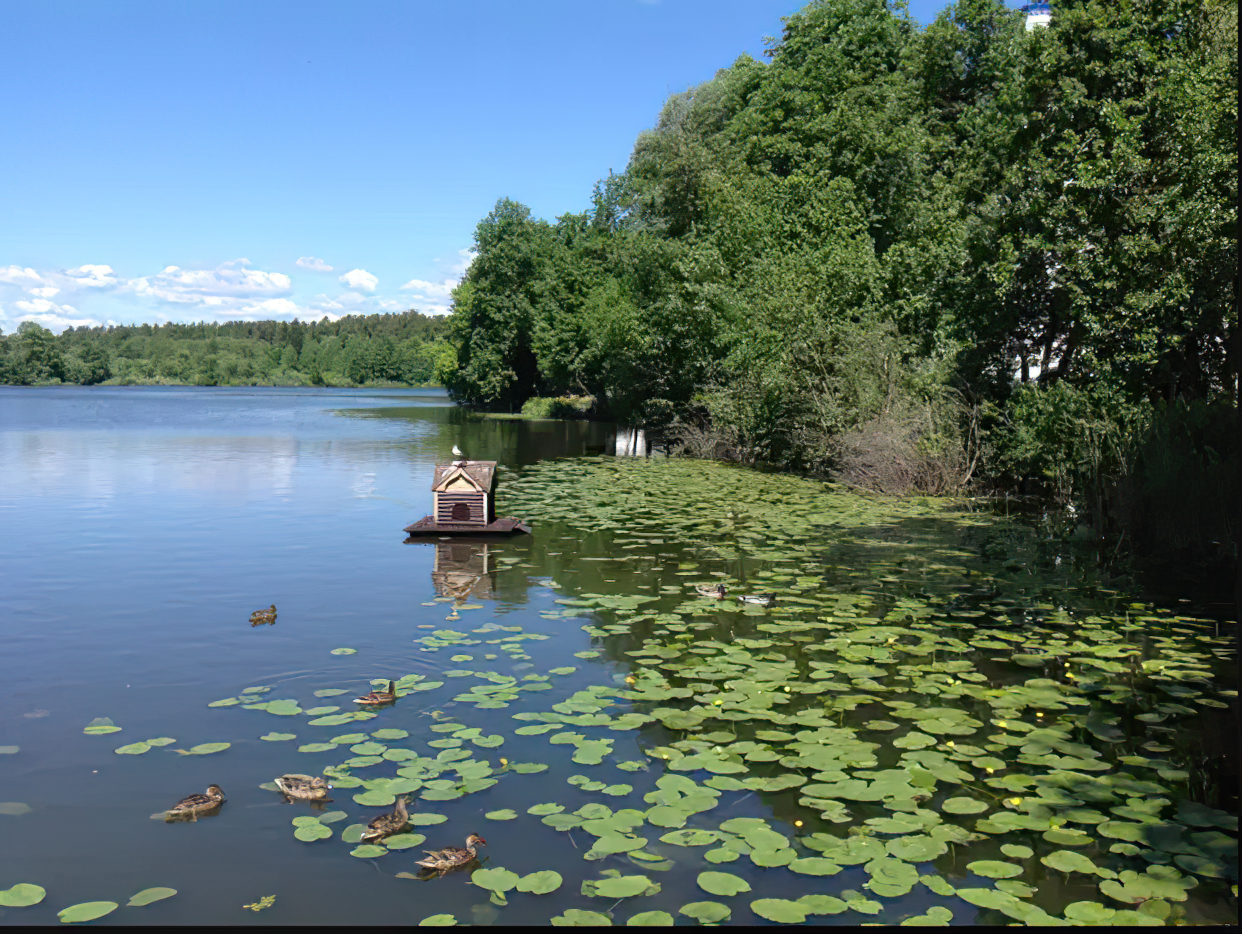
(453, 856)
(388, 824)
(193, 805)
(379, 697)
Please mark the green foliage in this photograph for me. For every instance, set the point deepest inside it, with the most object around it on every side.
(406, 349)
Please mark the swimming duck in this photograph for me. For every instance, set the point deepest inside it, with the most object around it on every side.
(387, 824)
(717, 592)
(193, 805)
(304, 787)
(452, 856)
(759, 599)
(259, 617)
(379, 697)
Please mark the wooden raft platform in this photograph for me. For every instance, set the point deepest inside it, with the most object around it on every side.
(428, 525)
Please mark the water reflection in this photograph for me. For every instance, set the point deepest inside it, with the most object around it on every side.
(463, 571)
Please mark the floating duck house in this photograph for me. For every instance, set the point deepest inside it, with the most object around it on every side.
(463, 496)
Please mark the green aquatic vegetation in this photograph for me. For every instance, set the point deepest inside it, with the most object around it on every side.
(722, 883)
(344, 651)
(441, 920)
(277, 737)
(540, 883)
(203, 749)
(87, 911)
(101, 725)
(309, 829)
(22, 895)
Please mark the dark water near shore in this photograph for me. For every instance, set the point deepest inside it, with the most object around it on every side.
(140, 527)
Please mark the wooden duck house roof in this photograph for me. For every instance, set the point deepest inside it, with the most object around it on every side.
(479, 474)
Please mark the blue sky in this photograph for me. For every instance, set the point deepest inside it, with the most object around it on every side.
(229, 160)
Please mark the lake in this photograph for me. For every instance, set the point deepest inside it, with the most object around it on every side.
(945, 714)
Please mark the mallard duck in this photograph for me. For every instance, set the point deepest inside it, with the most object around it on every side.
(193, 805)
(387, 824)
(304, 787)
(259, 617)
(717, 592)
(759, 599)
(452, 856)
(379, 697)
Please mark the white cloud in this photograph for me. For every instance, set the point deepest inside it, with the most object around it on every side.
(360, 279)
(92, 276)
(314, 264)
(211, 287)
(19, 276)
(48, 314)
(435, 298)
(465, 258)
(46, 292)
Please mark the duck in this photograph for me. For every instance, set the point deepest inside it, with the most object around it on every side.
(192, 805)
(387, 824)
(759, 599)
(453, 856)
(718, 592)
(259, 617)
(379, 697)
(304, 787)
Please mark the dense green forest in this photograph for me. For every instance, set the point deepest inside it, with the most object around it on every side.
(912, 258)
(353, 351)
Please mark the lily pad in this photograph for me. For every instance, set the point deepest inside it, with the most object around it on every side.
(22, 895)
(706, 912)
(344, 651)
(576, 917)
(147, 896)
(403, 841)
(87, 911)
(622, 886)
(438, 921)
(497, 880)
(368, 851)
(503, 814)
(779, 909)
(133, 749)
(99, 726)
(540, 883)
(204, 749)
(278, 737)
(722, 883)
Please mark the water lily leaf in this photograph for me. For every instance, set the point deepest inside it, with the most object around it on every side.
(651, 919)
(690, 837)
(420, 819)
(540, 883)
(436, 920)
(622, 886)
(503, 814)
(317, 747)
(1158, 882)
(160, 741)
(495, 880)
(576, 917)
(1017, 851)
(540, 810)
(565, 670)
(814, 866)
(1089, 913)
(312, 831)
(353, 833)
(22, 895)
(705, 912)
(963, 806)
(722, 883)
(101, 725)
(1068, 861)
(330, 692)
(277, 737)
(936, 916)
(87, 911)
(8, 750)
(994, 869)
(617, 843)
(368, 851)
(331, 817)
(821, 905)
(344, 651)
(527, 768)
(488, 742)
(224, 702)
(779, 909)
(133, 749)
(403, 841)
(204, 749)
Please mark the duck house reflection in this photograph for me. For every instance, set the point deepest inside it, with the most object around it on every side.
(464, 570)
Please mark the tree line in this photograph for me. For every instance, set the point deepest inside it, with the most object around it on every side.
(355, 350)
(910, 258)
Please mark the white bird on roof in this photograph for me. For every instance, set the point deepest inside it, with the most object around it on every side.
(457, 451)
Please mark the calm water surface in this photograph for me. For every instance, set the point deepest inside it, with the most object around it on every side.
(139, 527)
